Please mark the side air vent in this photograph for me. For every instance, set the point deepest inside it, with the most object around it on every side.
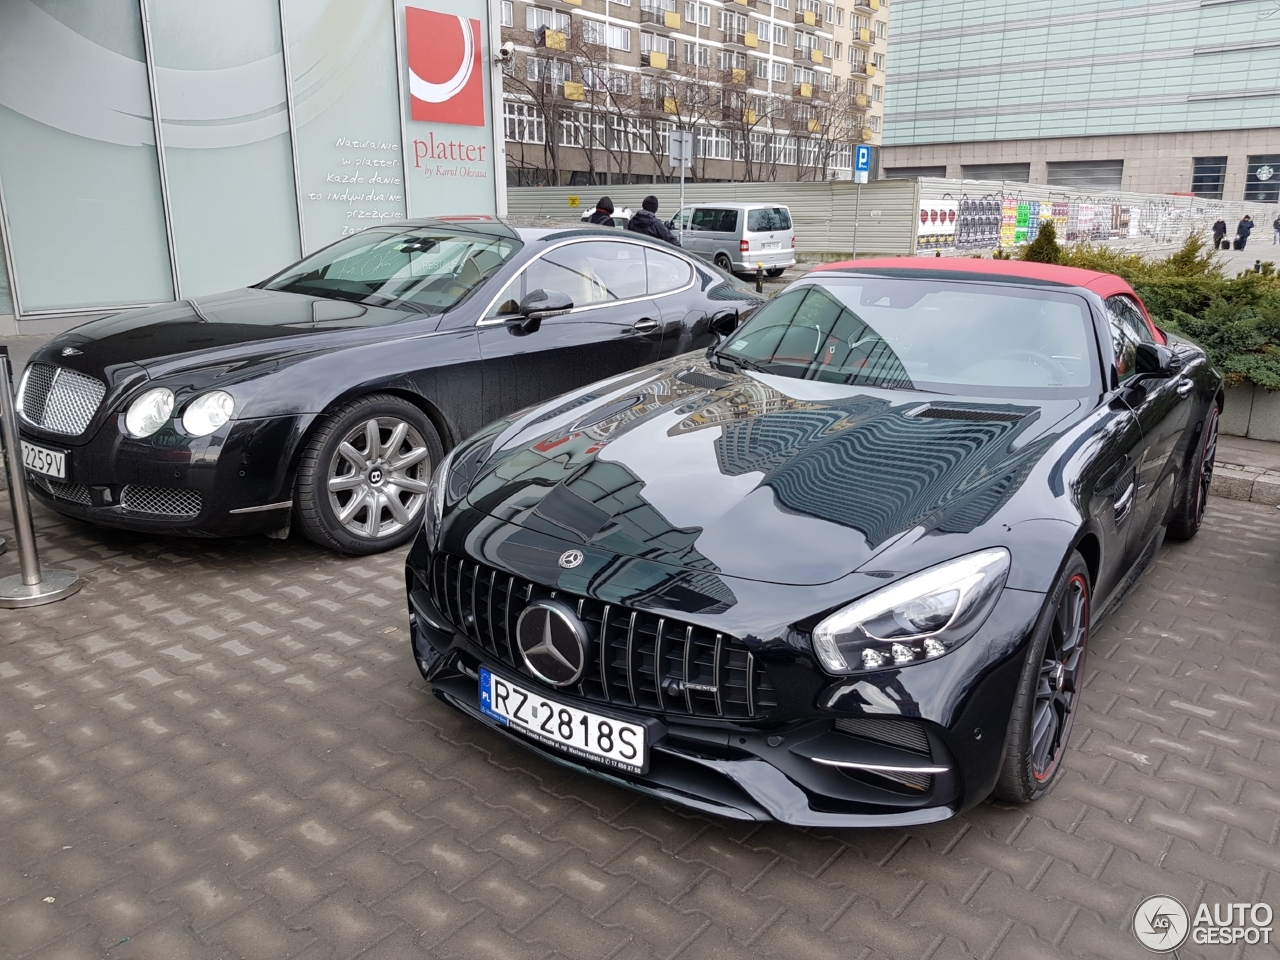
(702, 380)
(906, 734)
(973, 416)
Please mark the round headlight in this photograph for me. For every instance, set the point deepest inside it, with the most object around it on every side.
(207, 412)
(149, 412)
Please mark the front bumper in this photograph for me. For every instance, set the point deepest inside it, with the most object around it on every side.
(799, 764)
(171, 484)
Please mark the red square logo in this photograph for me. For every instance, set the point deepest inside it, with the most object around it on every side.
(446, 84)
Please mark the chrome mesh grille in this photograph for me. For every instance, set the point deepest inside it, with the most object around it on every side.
(58, 399)
(71, 492)
(160, 501)
(640, 659)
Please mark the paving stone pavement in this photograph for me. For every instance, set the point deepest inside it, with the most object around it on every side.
(221, 749)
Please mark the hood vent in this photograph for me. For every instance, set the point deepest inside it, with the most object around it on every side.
(973, 416)
(702, 380)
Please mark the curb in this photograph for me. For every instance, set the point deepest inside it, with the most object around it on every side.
(1238, 482)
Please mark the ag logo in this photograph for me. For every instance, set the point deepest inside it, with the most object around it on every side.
(446, 82)
(1161, 924)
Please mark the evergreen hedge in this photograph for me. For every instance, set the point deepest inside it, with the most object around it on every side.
(1236, 319)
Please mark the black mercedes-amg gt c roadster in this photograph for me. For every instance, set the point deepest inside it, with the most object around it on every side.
(840, 568)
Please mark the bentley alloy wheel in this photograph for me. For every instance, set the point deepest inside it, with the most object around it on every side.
(363, 479)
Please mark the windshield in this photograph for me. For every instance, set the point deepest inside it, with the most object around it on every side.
(429, 269)
(943, 336)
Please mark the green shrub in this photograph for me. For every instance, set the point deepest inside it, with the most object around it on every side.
(1044, 248)
(1236, 319)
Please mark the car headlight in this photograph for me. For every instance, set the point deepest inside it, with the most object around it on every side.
(434, 513)
(918, 618)
(149, 412)
(207, 412)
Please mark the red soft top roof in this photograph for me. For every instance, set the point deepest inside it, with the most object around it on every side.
(1103, 284)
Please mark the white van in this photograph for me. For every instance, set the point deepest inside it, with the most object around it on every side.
(738, 236)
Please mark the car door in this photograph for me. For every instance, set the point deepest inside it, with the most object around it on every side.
(1162, 406)
(613, 326)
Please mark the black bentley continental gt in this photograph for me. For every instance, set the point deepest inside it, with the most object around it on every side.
(839, 569)
(325, 395)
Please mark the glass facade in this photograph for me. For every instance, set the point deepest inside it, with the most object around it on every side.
(157, 149)
(1007, 70)
(1208, 175)
(1262, 178)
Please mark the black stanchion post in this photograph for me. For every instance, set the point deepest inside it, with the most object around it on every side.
(32, 586)
(759, 278)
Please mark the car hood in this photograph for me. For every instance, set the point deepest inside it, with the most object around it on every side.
(224, 326)
(755, 476)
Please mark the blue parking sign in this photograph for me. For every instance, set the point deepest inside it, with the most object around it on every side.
(862, 157)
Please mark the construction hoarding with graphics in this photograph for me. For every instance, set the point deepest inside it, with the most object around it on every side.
(977, 215)
(190, 151)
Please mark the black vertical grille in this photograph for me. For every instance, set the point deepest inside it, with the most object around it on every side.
(642, 660)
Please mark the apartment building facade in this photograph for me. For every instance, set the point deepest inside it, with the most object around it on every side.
(1161, 96)
(779, 90)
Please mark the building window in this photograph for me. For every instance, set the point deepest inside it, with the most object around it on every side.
(523, 123)
(835, 84)
(761, 71)
(1262, 178)
(878, 60)
(1086, 174)
(880, 26)
(696, 53)
(535, 17)
(839, 16)
(877, 93)
(780, 72)
(1208, 175)
(508, 13)
(606, 35)
(782, 4)
(875, 124)
(828, 14)
(839, 51)
(826, 48)
(698, 13)
(779, 34)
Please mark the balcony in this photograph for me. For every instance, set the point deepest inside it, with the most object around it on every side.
(867, 134)
(814, 125)
(860, 99)
(549, 39)
(669, 105)
(657, 60)
(739, 75)
(807, 17)
(664, 18)
(862, 35)
(743, 39)
(804, 90)
(574, 91)
(871, 70)
(816, 55)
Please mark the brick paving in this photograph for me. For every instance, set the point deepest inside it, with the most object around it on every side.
(221, 749)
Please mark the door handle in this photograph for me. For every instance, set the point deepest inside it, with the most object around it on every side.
(646, 325)
(1185, 386)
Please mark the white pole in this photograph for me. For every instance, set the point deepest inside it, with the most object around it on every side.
(857, 214)
(680, 214)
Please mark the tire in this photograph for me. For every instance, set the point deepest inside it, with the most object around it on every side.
(1048, 696)
(1188, 512)
(355, 503)
(775, 271)
(724, 263)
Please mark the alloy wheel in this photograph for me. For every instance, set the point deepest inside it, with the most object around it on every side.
(1061, 676)
(378, 478)
(1207, 456)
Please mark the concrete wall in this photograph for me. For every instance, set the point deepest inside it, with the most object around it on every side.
(1252, 412)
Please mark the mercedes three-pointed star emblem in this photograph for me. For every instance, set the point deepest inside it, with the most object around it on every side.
(553, 642)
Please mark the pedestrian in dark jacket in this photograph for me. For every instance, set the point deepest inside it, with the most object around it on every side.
(1243, 229)
(1219, 231)
(647, 222)
(603, 217)
(1275, 231)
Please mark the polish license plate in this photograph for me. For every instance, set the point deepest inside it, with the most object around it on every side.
(777, 244)
(52, 463)
(606, 740)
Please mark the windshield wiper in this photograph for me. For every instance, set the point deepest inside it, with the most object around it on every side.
(739, 363)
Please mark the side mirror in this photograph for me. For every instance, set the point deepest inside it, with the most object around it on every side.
(724, 323)
(538, 305)
(1156, 360)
